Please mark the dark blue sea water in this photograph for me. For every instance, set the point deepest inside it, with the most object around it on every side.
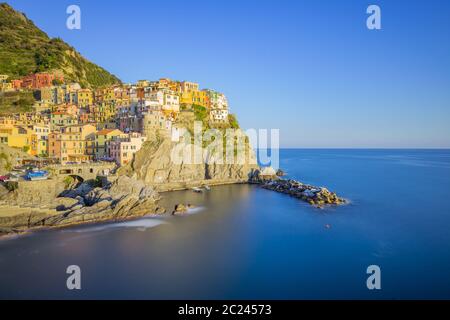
(247, 243)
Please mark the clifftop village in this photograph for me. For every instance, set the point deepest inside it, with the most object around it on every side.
(72, 125)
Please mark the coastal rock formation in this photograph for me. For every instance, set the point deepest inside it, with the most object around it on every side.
(181, 209)
(154, 165)
(126, 198)
(316, 196)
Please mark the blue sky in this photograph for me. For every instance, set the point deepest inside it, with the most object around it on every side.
(310, 68)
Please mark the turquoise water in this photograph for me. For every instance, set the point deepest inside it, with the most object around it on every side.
(243, 242)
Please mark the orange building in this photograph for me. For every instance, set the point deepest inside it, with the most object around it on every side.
(39, 80)
(54, 145)
(72, 143)
(17, 84)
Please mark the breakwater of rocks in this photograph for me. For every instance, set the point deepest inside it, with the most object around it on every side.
(316, 196)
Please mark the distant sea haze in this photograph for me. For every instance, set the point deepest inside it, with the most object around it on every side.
(243, 242)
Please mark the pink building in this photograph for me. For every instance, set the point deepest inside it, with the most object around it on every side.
(123, 148)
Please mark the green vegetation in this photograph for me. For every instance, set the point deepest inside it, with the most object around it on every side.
(25, 49)
(4, 156)
(68, 182)
(7, 163)
(12, 186)
(185, 107)
(16, 102)
(233, 121)
(201, 113)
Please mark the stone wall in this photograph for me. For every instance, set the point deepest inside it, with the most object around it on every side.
(88, 171)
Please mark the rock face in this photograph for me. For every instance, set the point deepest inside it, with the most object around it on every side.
(35, 194)
(9, 158)
(124, 199)
(154, 165)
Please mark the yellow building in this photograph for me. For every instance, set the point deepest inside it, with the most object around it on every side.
(143, 83)
(195, 97)
(105, 95)
(104, 112)
(39, 140)
(166, 83)
(59, 119)
(7, 121)
(6, 87)
(85, 98)
(16, 137)
(38, 147)
(102, 138)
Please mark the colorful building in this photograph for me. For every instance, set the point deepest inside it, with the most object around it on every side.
(39, 140)
(17, 84)
(16, 137)
(60, 119)
(40, 80)
(6, 87)
(199, 98)
(44, 95)
(186, 87)
(123, 148)
(102, 138)
(84, 98)
(71, 144)
(166, 100)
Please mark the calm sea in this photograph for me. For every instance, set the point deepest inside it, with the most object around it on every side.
(243, 242)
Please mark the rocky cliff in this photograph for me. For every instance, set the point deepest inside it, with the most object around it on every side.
(154, 165)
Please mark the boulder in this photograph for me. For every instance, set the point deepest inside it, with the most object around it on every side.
(63, 204)
(180, 209)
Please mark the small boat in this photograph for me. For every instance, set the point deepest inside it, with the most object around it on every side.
(197, 190)
(37, 175)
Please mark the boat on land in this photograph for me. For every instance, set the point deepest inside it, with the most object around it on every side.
(37, 175)
(197, 190)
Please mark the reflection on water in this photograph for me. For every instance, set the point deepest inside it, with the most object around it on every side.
(244, 242)
(140, 224)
